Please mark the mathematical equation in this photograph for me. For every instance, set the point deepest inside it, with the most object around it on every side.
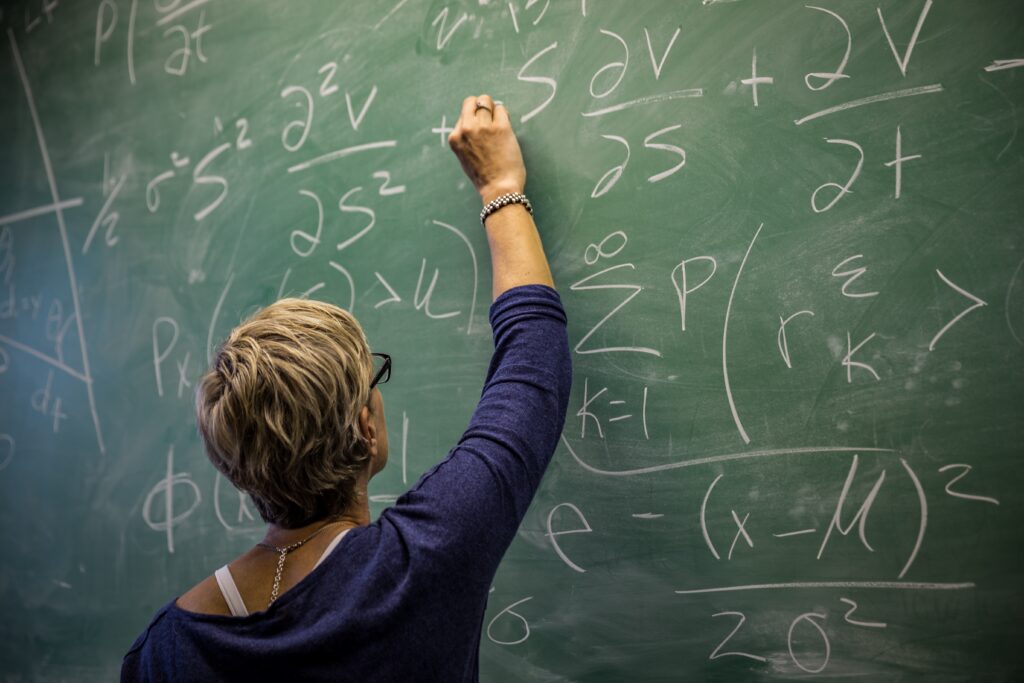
(324, 115)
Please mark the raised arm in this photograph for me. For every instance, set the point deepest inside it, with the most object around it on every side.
(463, 513)
(489, 153)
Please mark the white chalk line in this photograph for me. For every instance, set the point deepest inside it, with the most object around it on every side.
(801, 532)
(725, 337)
(43, 357)
(216, 315)
(171, 16)
(651, 99)
(1003, 64)
(72, 280)
(1006, 304)
(742, 455)
(39, 211)
(883, 97)
(883, 585)
(388, 15)
(341, 153)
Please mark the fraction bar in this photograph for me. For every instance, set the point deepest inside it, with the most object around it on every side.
(884, 97)
(885, 585)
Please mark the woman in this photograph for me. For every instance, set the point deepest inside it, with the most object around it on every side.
(291, 414)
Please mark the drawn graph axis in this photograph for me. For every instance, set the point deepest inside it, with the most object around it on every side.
(58, 211)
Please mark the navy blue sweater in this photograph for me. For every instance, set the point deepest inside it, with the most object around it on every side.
(402, 599)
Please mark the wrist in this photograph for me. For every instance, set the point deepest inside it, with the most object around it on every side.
(491, 192)
(503, 201)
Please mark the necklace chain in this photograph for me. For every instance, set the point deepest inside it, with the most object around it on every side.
(284, 550)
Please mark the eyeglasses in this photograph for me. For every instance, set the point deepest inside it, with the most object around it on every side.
(383, 373)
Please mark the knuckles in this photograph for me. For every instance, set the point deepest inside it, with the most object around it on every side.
(472, 130)
(455, 138)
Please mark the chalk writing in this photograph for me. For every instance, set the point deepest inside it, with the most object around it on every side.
(841, 189)
(858, 470)
(165, 488)
(543, 80)
(523, 623)
(583, 528)
(975, 303)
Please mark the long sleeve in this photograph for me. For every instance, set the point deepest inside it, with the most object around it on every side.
(463, 513)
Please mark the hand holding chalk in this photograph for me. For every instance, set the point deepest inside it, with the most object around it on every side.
(487, 148)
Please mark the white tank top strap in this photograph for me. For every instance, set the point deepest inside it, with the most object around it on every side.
(230, 592)
(332, 546)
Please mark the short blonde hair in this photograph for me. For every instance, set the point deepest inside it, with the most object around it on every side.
(279, 409)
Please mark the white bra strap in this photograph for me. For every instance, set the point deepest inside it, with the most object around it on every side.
(230, 592)
(332, 546)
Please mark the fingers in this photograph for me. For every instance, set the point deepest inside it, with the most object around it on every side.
(468, 107)
(478, 111)
(501, 115)
(484, 107)
(465, 116)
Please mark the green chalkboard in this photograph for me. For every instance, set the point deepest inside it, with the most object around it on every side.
(788, 237)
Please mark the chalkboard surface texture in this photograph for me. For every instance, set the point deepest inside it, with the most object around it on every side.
(789, 238)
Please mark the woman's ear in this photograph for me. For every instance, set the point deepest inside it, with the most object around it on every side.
(368, 429)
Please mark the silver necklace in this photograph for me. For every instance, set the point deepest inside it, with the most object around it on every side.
(283, 551)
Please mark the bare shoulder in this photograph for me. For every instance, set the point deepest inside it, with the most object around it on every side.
(205, 598)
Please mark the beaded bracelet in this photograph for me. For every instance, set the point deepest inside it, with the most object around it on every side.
(503, 201)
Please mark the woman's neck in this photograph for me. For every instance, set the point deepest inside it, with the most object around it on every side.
(357, 514)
